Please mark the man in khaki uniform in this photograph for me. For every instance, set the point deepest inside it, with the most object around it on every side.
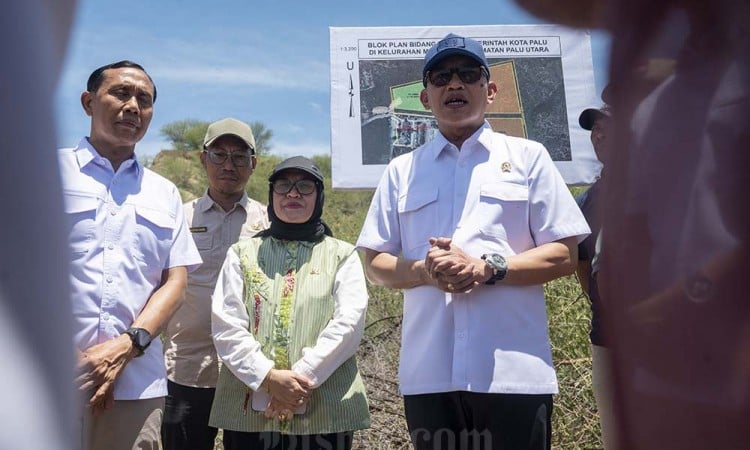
(218, 219)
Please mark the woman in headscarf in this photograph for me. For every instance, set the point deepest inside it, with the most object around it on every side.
(288, 314)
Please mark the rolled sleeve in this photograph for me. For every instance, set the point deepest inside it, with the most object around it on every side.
(554, 213)
(380, 231)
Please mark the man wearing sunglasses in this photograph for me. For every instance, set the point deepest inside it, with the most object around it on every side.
(218, 219)
(471, 225)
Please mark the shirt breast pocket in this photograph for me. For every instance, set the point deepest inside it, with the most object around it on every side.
(504, 211)
(153, 236)
(203, 241)
(418, 213)
(81, 213)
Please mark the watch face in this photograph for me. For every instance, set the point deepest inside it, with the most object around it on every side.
(497, 261)
(141, 338)
(499, 267)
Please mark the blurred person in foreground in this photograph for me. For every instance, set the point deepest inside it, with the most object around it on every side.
(677, 223)
(597, 121)
(36, 382)
(130, 255)
(288, 314)
(471, 225)
(218, 219)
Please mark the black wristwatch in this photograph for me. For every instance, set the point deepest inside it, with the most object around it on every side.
(499, 267)
(141, 339)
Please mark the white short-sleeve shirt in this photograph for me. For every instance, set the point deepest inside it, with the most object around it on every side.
(498, 194)
(126, 227)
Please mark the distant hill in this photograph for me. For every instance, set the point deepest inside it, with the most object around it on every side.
(344, 211)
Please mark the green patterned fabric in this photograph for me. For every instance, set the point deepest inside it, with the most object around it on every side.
(289, 299)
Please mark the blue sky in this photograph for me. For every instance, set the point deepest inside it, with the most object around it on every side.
(253, 60)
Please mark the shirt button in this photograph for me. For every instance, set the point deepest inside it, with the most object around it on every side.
(113, 212)
(105, 316)
(111, 246)
(109, 279)
(461, 335)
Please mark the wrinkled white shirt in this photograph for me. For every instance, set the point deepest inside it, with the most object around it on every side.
(126, 228)
(498, 194)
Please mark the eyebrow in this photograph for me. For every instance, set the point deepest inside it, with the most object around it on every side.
(131, 86)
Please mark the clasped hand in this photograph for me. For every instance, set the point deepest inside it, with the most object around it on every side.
(450, 268)
(289, 391)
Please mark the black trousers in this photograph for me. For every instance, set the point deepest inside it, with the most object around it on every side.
(185, 422)
(473, 421)
(237, 440)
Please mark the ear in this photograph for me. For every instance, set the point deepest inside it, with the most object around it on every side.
(203, 159)
(491, 91)
(86, 99)
(253, 162)
(424, 99)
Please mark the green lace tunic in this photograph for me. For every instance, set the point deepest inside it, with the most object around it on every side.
(288, 293)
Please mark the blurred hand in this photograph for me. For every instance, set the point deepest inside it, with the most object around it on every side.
(99, 366)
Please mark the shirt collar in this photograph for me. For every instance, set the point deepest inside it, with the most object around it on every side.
(483, 136)
(206, 202)
(86, 154)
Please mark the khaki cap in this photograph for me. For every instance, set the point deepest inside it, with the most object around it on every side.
(230, 126)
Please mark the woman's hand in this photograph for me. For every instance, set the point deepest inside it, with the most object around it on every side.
(287, 388)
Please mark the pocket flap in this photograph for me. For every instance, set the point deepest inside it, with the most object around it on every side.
(77, 202)
(414, 199)
(505, 191)
(159, 218)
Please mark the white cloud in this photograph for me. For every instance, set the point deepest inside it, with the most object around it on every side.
(286, 149)
(317, 107)
(261, 76)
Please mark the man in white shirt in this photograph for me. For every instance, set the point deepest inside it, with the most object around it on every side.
(130, 255)
(218, 219)
(471, 225)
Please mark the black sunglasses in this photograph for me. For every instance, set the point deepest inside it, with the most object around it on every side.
(468, 75)
(239, 159)
(282, 186)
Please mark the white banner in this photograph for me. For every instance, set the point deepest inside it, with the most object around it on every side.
(545, 78)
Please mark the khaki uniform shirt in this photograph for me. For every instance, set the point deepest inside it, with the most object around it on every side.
(189, 351)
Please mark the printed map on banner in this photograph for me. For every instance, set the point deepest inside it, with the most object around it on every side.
(544, 75)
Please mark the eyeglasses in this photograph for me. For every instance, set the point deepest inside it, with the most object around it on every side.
(282, 186)
(239, 159)
(468, 75)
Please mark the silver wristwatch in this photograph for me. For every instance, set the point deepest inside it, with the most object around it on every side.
(499, 267)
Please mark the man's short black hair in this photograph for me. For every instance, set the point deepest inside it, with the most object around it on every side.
(97, 76)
